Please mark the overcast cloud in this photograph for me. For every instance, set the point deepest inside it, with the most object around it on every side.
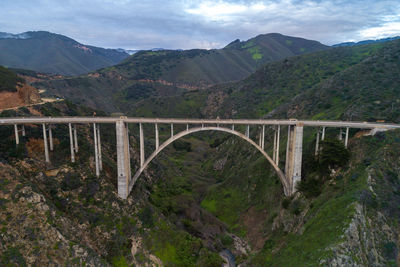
(188, 24)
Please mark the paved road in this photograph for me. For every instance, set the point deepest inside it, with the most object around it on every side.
(222, 122)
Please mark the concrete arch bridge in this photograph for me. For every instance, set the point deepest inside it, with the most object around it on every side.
(289, 177)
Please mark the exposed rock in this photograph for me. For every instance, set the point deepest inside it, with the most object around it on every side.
(219, 164)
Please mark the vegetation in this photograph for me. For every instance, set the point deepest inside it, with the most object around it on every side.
(8, 80)
(168, 73)
(204, 193)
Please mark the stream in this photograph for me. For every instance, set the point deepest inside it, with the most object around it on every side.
(228, 257)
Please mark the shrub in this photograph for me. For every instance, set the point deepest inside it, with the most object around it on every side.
(333, 155)
(310, 187)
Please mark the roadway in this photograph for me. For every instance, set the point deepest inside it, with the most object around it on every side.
(84, 120)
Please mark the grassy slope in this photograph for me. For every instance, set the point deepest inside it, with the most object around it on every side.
(8, 80)
(182, 70)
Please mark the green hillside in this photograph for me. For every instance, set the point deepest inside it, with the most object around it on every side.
(54, 53)
(166, 72)
(357, 83)
(8, 80)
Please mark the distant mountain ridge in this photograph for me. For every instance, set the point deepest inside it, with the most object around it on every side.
(54, 53)
(367, 42)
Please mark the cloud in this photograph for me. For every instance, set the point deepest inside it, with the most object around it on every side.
(224, 11)
(200, 23)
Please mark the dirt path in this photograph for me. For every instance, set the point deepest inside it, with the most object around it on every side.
(44, 101)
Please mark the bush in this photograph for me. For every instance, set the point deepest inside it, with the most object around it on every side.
(333, 155)
(286, 203)
(70, 181)
(310, 187)
(182, 145)
(146, 216)
(226, 240)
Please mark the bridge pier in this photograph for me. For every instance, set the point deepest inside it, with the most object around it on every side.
(16, 134)
(263, 137)
(46, 149)
(71, 143)
(96, 150)
(98, 147)
(142, 143)
(346, 140)
(294, 156)
(157, 139)
(76, 139)
(123, 158)
(277, 146)
(23, 130)
(51, 138)
(317, 144)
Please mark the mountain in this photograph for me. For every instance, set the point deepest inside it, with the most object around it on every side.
(53, 53)
(367, 42)
(167, 72)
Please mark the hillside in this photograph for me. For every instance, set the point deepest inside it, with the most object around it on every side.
(166, 72)
(53, 53)
(15, 91)
(357, 83)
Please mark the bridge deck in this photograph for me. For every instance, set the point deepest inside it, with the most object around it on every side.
(62, 120)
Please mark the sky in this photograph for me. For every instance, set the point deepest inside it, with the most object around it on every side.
(186, 24)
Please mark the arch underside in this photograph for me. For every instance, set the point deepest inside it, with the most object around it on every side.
(175, 137)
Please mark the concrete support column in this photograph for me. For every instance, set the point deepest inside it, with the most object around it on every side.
(298, 156)
(76, 139)
(294, 157)
(123, 159)
(317, 144)
(16, 134)
(71, 143)
(187, 127)
(233, 127)
(51, 138)
(341, 134)
(172, 130)
(248, 131)
(263, 137)
(323, 134)
(260, 139)
(288, 149)
(46, 148)
(142, 144)
(274, 149)
(346, 140)
(277, 145)
(96, 151)
(23, 130)
(157, 138)
(99, 147)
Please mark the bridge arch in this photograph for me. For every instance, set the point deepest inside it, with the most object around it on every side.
(179, 135)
